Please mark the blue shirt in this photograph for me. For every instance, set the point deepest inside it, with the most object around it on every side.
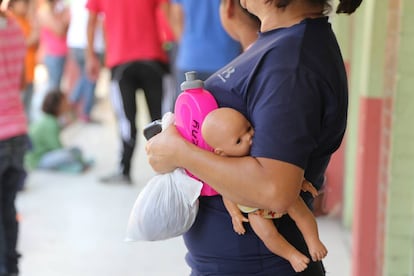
(204, 46)
(292, 86)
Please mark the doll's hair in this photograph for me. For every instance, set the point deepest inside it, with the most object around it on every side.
(344, 6)
(51, 102)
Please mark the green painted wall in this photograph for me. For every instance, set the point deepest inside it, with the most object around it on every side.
(350, 39)
(358, 39)
(363, 38)
(399, 234)
(367, 56)
(343, 27)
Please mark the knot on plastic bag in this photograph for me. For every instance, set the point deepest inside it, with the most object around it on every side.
(167, 120)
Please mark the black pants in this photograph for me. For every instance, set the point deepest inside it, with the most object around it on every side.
(125, 80)
(12, 151)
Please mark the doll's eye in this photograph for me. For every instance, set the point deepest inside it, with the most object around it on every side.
(238, 141)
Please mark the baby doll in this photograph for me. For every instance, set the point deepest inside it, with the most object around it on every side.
(229, 133)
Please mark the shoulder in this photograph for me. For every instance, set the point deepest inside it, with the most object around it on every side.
(94, 5)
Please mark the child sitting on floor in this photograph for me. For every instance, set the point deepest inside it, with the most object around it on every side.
(47, 150)
(229, 133)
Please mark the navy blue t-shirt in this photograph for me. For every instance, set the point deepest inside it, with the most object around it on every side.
(292, 86)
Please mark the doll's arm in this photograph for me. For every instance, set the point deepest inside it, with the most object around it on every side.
(237, 217)
(308, 187)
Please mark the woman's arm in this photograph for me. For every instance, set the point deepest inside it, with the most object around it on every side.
(176, 19)
(92, 61)
(260, 182)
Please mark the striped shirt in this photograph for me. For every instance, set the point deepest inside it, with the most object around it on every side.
(12, 54)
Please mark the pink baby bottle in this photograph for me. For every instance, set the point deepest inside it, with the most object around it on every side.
(191, 107)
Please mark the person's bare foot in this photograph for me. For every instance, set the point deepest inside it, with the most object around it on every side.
(298, 261)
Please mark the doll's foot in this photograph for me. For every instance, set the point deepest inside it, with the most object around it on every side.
(317, 250)
(298, 261)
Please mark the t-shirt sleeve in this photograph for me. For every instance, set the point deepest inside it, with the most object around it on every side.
(94, 5)
(286, 115)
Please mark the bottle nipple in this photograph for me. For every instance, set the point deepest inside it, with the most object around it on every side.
(191, 81)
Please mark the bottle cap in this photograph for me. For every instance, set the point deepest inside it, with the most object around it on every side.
(191, 82)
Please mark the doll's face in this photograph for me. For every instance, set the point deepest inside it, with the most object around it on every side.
(239, 138)
(228, 132)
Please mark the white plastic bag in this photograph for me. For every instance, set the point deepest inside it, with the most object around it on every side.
(165, 208)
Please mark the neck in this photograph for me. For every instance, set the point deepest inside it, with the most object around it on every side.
(248, 38)
(289, 16)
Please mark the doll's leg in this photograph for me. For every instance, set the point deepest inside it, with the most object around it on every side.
(276, 243)
(306, 223)
(237, 217)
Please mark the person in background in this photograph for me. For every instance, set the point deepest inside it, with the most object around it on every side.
(54, 17)
(169, 43)
(48, 152)
(229, 133)
(13, 137)
(203, 44)
(136, 59)
(291, 84)
(84, 90)
(20, 10)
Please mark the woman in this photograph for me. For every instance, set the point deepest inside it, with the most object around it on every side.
(291, 85)
(54, 20)
(83, 93)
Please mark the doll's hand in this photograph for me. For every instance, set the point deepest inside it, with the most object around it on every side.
(237, 221)
(308, 187)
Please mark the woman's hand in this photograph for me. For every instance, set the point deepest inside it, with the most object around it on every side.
(163, 150)
(93, 66)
